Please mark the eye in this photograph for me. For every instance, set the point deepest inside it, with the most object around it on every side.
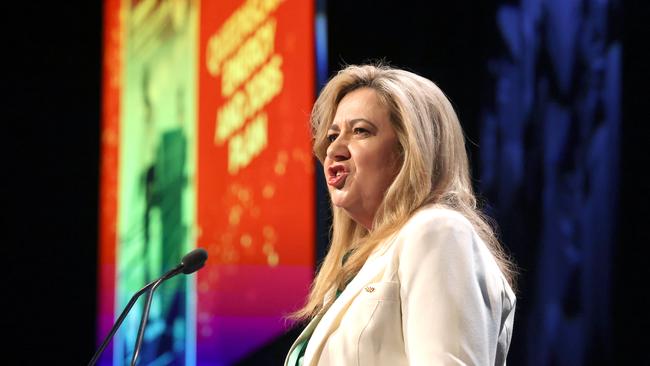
(361, 131)
(331, 137)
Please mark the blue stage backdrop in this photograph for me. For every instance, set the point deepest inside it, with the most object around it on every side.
(549, 165)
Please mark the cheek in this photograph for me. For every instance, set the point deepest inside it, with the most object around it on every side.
(377, 171)
(382, 171)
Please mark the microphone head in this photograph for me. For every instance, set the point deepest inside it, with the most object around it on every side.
(194, 260)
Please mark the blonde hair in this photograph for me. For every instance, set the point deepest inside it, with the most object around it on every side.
(434, 170)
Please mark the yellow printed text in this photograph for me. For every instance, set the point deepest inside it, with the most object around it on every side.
(236, 28)
(250, 56)
(257, 93)
(243, 147)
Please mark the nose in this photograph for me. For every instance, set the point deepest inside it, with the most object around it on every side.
(338, 150)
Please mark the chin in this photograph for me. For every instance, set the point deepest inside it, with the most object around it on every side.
(338, 203)
(338, 199)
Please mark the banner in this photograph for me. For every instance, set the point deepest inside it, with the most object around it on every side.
(206, 143)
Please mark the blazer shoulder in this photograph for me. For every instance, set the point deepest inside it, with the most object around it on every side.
(439, 231)
(436, 219)
(450, 235)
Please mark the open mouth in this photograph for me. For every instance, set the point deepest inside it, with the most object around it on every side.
(336, 176)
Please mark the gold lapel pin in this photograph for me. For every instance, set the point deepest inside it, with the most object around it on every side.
(369, 289)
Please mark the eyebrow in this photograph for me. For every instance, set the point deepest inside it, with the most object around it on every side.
(351, 122)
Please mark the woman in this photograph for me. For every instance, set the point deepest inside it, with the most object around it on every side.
(414, 274)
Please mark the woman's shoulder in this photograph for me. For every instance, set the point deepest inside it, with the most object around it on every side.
(440, 229)
(437, 218)
(436, 233)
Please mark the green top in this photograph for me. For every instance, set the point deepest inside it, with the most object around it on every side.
(298, 353)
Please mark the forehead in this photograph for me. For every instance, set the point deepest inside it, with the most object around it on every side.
(363, 103)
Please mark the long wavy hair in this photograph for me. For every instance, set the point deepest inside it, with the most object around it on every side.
(434, 171)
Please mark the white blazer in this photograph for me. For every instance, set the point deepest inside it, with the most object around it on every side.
(432, 295)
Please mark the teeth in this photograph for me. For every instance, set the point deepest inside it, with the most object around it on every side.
(338, 173)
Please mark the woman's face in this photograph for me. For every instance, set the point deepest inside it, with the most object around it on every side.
(362, 158)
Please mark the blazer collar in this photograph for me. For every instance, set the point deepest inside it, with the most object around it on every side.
(305, 334)
(327, 323)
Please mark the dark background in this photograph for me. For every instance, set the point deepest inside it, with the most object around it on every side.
(49, 186)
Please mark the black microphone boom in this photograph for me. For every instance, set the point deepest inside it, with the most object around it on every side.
(191, 262)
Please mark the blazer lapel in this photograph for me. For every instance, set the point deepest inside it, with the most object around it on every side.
(368, 273)
(306, 333)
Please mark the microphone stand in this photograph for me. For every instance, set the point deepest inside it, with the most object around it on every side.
(149, 287)
(119, 321)
(191, 262)
(147, 306)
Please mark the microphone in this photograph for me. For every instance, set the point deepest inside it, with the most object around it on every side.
(191, 262)
(194, 260)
